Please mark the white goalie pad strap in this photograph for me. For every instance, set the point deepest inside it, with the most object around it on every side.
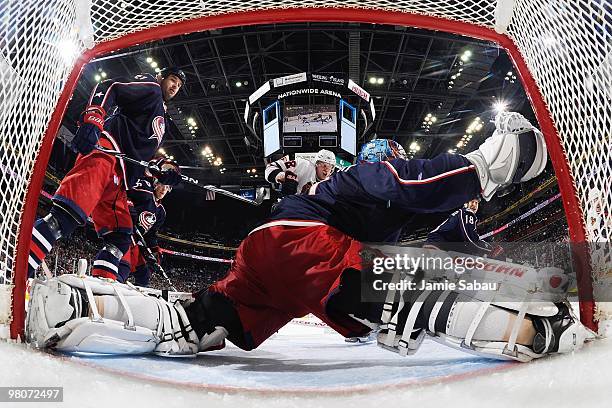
(405, 344)
(172, 343)
(187, 345)
(128, 311)
(549, 334)
(476, 321)
(92, 303)
(436, 310)
(489, 349)
(389, 300)
(392, 325)
(510, 348)
(474, 324)
(191, 335)
(412, 344)
(163, 319)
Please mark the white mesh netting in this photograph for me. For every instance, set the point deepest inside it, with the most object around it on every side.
(567, 47)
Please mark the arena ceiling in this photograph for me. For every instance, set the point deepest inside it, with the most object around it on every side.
(418, 70)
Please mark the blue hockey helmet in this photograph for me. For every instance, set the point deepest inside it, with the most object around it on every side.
(176, 71)
(380, 150)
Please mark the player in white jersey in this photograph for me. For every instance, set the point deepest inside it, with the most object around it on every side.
(296, 176)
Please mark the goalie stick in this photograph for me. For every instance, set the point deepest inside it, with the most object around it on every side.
(186, 179)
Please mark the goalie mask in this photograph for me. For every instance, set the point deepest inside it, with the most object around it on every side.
(378, 150)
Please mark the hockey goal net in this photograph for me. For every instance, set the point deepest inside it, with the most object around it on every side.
(561, 49)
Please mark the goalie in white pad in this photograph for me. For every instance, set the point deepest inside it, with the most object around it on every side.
(489, 322)
(86, 314)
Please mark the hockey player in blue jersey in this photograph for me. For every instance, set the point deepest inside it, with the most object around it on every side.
(148, 216)
(309, 257)
(458, 232)
(125, 115)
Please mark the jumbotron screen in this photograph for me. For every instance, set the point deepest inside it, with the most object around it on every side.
(310, 118)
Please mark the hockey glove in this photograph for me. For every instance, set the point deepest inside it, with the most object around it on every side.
(88, 133)
(290, 185)
(156, 250)
(169, 176)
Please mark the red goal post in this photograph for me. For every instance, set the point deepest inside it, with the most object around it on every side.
(546, 39)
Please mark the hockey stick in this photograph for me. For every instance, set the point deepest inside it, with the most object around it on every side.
(151, 259)
(186, 179)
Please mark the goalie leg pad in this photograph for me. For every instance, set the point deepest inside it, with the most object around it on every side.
(85, 314)
(480, 327)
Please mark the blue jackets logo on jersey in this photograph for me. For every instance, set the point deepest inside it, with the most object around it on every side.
(146, 220)
(159, 127)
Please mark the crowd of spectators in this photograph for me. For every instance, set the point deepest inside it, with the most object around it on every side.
(217, 238)
(189, 275)
(64, 256)
(186, 274)
(196, 248)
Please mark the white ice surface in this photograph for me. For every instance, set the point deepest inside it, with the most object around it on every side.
(581, 379)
